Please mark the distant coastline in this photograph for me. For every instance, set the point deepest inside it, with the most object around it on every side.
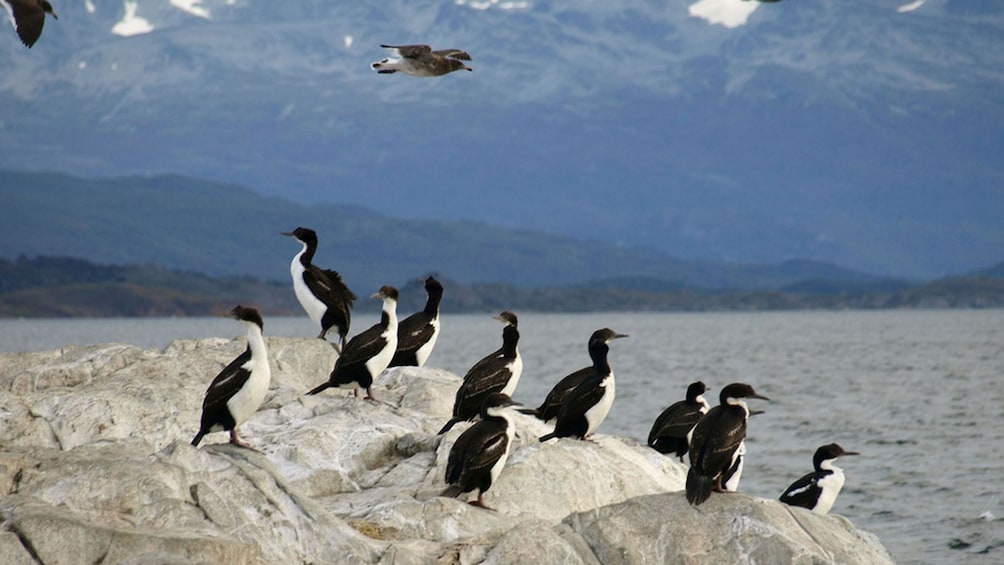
(62, 287)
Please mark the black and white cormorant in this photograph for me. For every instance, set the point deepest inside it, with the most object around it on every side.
(588, 404)
(715, 442)
(237, 392)
(508, 319)
(417, 334)
(548, 410)
(490, 375)
(367, 354)
(818, 490)
(321, 292)
(669, 431)
(734, 474)
(479, 454)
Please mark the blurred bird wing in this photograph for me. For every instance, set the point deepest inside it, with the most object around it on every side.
(29, 18)
(453, 54)
(411, 51)
(328, 285)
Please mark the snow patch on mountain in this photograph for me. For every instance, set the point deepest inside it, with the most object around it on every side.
(729, 13)
(488, 4)
(193, 7)
(131, 24)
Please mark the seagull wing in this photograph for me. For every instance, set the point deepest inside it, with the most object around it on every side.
(29, 18)
(411, 51)
(453, 54)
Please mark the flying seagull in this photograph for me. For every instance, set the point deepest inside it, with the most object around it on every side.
(29, 17)
(422, 61)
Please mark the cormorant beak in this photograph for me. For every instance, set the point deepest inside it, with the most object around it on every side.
(289, 233)
(618, 336)
(756, 412)
(850, 453)
(376, 295)
(760, 396)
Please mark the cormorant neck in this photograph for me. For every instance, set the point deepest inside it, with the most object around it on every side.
(598, 352)
(432, 303)
(307, 254)
(256, 342)
(388, 317)
(510, 339)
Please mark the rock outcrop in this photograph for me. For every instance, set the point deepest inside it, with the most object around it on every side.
(96, 466)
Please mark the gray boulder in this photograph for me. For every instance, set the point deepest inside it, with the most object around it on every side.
(96, 463)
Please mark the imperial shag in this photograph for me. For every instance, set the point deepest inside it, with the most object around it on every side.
(818, 490)
(321, 292)
(417, 334)
(715, 442)
(237, 392)
(480, 453)
(548, 410)
(366, 355)
(670, 430)
(589, 403)
(490, 375)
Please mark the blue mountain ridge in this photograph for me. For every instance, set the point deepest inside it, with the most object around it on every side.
(225, 230)
(846, 132)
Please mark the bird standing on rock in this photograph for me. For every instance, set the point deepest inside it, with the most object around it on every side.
(818, 490)
(321, 292)
(237, 392)
(417, 334)
(508, 319)
(422, 61)
(589, 403)
(670, 430)
(555, 399)
(494, 373)
(29, 18)
(716, 440)
(367, 354)
(480, 453)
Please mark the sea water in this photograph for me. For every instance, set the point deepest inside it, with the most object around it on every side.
(919, 393)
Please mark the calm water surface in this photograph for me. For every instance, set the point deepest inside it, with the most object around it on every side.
(919, 393)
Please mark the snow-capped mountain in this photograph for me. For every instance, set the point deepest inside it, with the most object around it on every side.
(866, 133)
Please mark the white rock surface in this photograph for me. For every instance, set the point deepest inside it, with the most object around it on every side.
(96, 466)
